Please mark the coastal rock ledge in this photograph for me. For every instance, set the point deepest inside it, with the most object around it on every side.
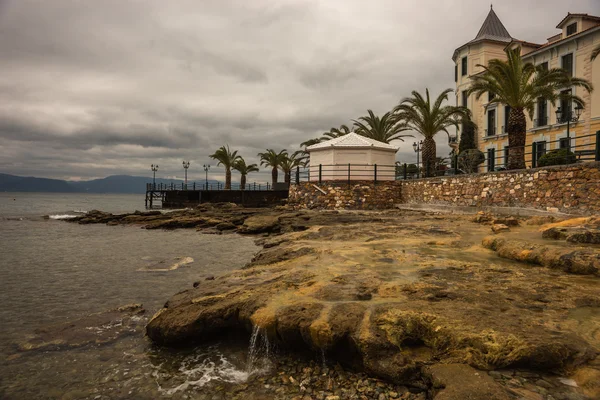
(410, 297)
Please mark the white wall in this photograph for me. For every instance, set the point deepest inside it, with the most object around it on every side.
(335, 164)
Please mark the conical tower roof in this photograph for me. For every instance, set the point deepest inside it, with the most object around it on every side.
(492, 29)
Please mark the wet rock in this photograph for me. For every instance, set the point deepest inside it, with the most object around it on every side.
(584, 261)
(589, 380)
(482, 218)
(261, 224)
(94, 329)
(508, 221)
(498, 228)
(459, 382)
(573, 234)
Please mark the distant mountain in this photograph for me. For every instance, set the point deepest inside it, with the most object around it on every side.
(110, 184)
(12, 183)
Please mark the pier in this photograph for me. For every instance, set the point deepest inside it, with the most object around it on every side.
(191, 194)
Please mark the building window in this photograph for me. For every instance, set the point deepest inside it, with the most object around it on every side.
(566, 105)
(491, 120)
(463, 69)
(539, 149)
(456, 73)
(542, 109)
(544, 66)
(506, 115)
(571, 29)
(491, 159)
(465, 98)
(563, 143)
(567, 63)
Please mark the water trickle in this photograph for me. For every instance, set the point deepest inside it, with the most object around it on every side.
(258, 352)
(323, 359)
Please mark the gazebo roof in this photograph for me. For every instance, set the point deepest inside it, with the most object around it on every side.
(352, 140)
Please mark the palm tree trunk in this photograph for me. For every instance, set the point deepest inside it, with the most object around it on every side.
(243, 182)
(228, 179)
(517, 129)
(429, 156)
(287, 176)
(274, 176)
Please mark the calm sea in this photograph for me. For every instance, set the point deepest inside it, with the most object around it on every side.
(53, 271)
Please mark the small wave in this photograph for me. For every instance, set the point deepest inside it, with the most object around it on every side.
(62, 216)
(201, 369)
(159, 267)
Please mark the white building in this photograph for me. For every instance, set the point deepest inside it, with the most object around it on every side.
(352, 157)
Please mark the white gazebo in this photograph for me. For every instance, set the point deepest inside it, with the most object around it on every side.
(352, 157)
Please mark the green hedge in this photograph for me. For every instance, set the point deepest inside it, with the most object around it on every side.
(557, 157)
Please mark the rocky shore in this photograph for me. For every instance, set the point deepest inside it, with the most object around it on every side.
(445, 306)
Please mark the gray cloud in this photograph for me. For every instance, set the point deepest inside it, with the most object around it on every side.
(90, 89)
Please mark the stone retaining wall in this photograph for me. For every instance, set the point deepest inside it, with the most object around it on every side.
(572, 188)
(358, 195)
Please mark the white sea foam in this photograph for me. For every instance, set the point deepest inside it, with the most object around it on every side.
(62, 216)
(199, 370)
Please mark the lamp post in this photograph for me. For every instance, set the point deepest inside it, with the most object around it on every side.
(154, 168)
(186, 165)
(206, 169)
(417, 149)
(568, 117)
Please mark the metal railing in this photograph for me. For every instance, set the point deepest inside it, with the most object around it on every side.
(345, 173)
(577, 149)
(540, 122)
(206, 186)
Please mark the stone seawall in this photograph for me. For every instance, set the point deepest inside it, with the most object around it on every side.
(358, 195)
(570, 188)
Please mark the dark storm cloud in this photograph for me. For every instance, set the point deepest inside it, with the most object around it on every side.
(91, 88)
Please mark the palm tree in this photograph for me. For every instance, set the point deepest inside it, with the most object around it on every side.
(288, 163)
(384, 129)
(273, 160)
(244, 169)
(420, 115)
(519, 85)
(228, 159)
(336, 132)
(595, 53)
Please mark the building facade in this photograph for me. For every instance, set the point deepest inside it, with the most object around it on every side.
(546, 130)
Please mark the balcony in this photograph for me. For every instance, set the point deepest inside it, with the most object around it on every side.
(491, 131)
(540, 122)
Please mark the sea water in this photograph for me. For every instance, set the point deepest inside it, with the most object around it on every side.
(53, 271)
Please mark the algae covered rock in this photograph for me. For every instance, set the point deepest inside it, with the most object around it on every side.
(260, 224)
(460, 382)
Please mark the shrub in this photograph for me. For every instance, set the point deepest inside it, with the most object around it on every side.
(468, 160)
(557, 157)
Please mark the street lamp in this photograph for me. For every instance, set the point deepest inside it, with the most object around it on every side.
(186, 165)
(206, 169)
(417, 149)
(568, 117)
(154, 168)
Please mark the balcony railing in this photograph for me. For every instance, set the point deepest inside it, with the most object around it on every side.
(491, 131)
(540, 122)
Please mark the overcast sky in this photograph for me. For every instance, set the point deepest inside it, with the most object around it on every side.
(102, 87)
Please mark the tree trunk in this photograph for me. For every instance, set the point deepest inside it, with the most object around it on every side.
(428, 151)
(517, 129)
(243, 182)
(274, 176)
(228, 179)
(287, 176)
